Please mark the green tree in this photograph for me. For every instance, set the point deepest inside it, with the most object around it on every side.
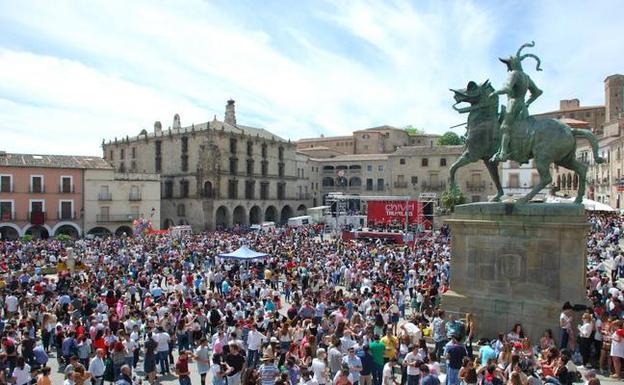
(450, 139)
(452, 197)
(411, 130)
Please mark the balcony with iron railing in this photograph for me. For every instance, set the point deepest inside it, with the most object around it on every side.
(105, 196)
(438, 186)
(67, 189)
(134, 196)
(66, 215)
(475, 186)
(37, 190)
(109, 218)
(6, 216)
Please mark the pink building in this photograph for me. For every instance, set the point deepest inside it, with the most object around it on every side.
(42, 195)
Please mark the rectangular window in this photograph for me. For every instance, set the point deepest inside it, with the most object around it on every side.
(280, 170)
(133, 152)
(110, 155)
(36, 184)
(402, 161)
(135, 193)
(158, 147)
(380, 168)
(264, 190)
(6, 211)
(66, 210)
(66, 184)
(122, 154)
(184, 144)
(168, 193)
(280, 153)
(6, 183)
(424, 162)
(233, 143)
(265, 168)
(37, 212)
(380, 184)
(369, 184)
(232, 189)
(442, 162)
(250, 167)
(369, 168)
(158, 164)
(514, 180)
(281, 191)
(184, 189)
(184, 159)
(264, 150)
(233, 166)
(104, 215)
(104, 194)
(249, 189)
(414, 180)
(249, 148)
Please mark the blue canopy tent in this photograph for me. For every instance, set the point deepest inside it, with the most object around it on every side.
(244, 253)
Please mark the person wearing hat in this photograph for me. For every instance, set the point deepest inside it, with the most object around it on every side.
(268, 371)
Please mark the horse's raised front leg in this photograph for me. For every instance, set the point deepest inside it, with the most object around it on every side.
(543, 168)
(493, 170)
(464, 159)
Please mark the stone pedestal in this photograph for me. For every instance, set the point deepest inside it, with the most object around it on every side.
(516, 263)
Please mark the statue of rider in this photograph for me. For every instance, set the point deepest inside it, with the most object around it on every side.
(516, 88)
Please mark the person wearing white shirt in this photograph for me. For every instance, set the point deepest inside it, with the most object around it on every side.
(254, 342)
(11, 302)
(97, 367)
(585, 334)
(318, 367)
(162, 339)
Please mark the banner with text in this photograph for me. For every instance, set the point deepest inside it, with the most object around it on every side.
(385, 212)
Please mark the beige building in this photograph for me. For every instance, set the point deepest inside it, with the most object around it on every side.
(112, 201)
(408, 171)
(217, 173)
(375, 140)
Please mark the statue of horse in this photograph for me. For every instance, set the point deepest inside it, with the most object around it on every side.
(544, 140)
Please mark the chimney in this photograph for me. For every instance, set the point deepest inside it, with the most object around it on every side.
(230, 113)
(157, 127)
(569, 104)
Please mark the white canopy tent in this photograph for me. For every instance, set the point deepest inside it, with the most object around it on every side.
(244, 253)
(590, 205)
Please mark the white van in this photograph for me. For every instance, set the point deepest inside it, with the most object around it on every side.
(303, 220)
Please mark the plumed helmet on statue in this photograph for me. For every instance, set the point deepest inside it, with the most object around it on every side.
(515, 62)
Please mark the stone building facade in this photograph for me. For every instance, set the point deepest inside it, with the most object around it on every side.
(376, 140)
(218, 173)
(112, 201)
(408, 171)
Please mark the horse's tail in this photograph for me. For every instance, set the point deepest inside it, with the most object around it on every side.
(592, 140)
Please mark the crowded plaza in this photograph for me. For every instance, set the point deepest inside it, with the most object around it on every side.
(310, 310)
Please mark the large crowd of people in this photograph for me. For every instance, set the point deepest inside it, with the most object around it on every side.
(316, 311)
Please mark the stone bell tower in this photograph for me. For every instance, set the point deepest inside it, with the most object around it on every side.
(230, 113)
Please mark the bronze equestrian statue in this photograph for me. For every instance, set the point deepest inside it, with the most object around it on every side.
(513, 134)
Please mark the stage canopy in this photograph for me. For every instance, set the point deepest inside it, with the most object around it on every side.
(244, 254)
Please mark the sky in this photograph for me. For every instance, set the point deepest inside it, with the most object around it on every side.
(75, 72)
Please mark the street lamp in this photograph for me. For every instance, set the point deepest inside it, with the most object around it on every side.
(82, 224)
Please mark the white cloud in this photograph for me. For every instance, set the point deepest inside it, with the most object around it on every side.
(82, 71)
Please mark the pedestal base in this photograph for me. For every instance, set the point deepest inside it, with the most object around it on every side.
(516, 264)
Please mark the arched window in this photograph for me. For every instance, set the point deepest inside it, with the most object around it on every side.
(208, 189)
